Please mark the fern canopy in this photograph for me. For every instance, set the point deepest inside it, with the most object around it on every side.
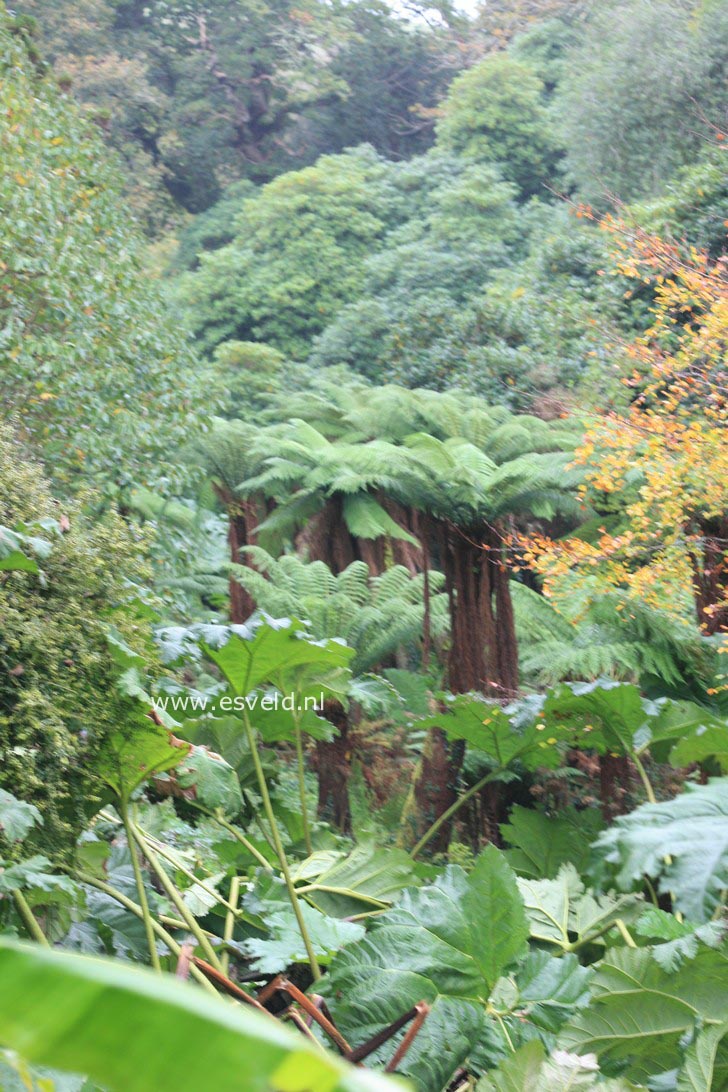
(374, 614)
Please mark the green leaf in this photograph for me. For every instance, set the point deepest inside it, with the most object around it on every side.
(698, 1072)
(17, 561)
(260, 651)
(134, 1031)
(375, 695)
(564, 913)
(549, 989)
(530, 1070)
(35, 873)
(123, 655)
(682, 938)
(284, 947)
(369, 878)
(709, 739)
(133, 755)
(446, 944)
(683, 842)
(640, 1012)
(518, 1073)
(275, 722)
(543, 843)
(413, 688)
(206, 778)
(612, 716)
(365, 518)
(603, 715)
(487, 727)
(498, 923)
(17, 818)
(683, 732)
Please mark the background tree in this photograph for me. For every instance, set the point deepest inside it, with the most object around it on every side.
(659, 467)
(494, 113)
(442, 479)
(98, 375)
(396, 71)
(196, 97)
(646, 87)
(297, 256)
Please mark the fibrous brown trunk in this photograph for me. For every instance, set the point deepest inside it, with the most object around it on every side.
(483, 651)
(710, 576)
(615, 775)
(326, 538)
(333, 765)
(243, 519)
(483, 656)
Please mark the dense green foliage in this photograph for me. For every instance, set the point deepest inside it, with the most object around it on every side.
(646, 88)
(191, 112)
(363, 571)
(494, 113)
(58, 696)
(297, 254)
(97, 374)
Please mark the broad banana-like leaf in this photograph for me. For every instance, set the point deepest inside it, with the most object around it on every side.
(133, 1031)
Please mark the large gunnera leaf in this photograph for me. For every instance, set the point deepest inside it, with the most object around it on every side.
(682, 842)
(543, 843)
(562, 912)
(641, 1015)
(446, 944)
(530, 1069)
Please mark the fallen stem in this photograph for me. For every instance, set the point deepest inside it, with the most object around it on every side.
(164, 852)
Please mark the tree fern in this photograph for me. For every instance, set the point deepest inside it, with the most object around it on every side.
(606, 636)
(376, 615)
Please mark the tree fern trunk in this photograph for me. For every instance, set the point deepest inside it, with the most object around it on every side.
(332, 762)
(483, 656)
(243, 518)
(710, 576)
